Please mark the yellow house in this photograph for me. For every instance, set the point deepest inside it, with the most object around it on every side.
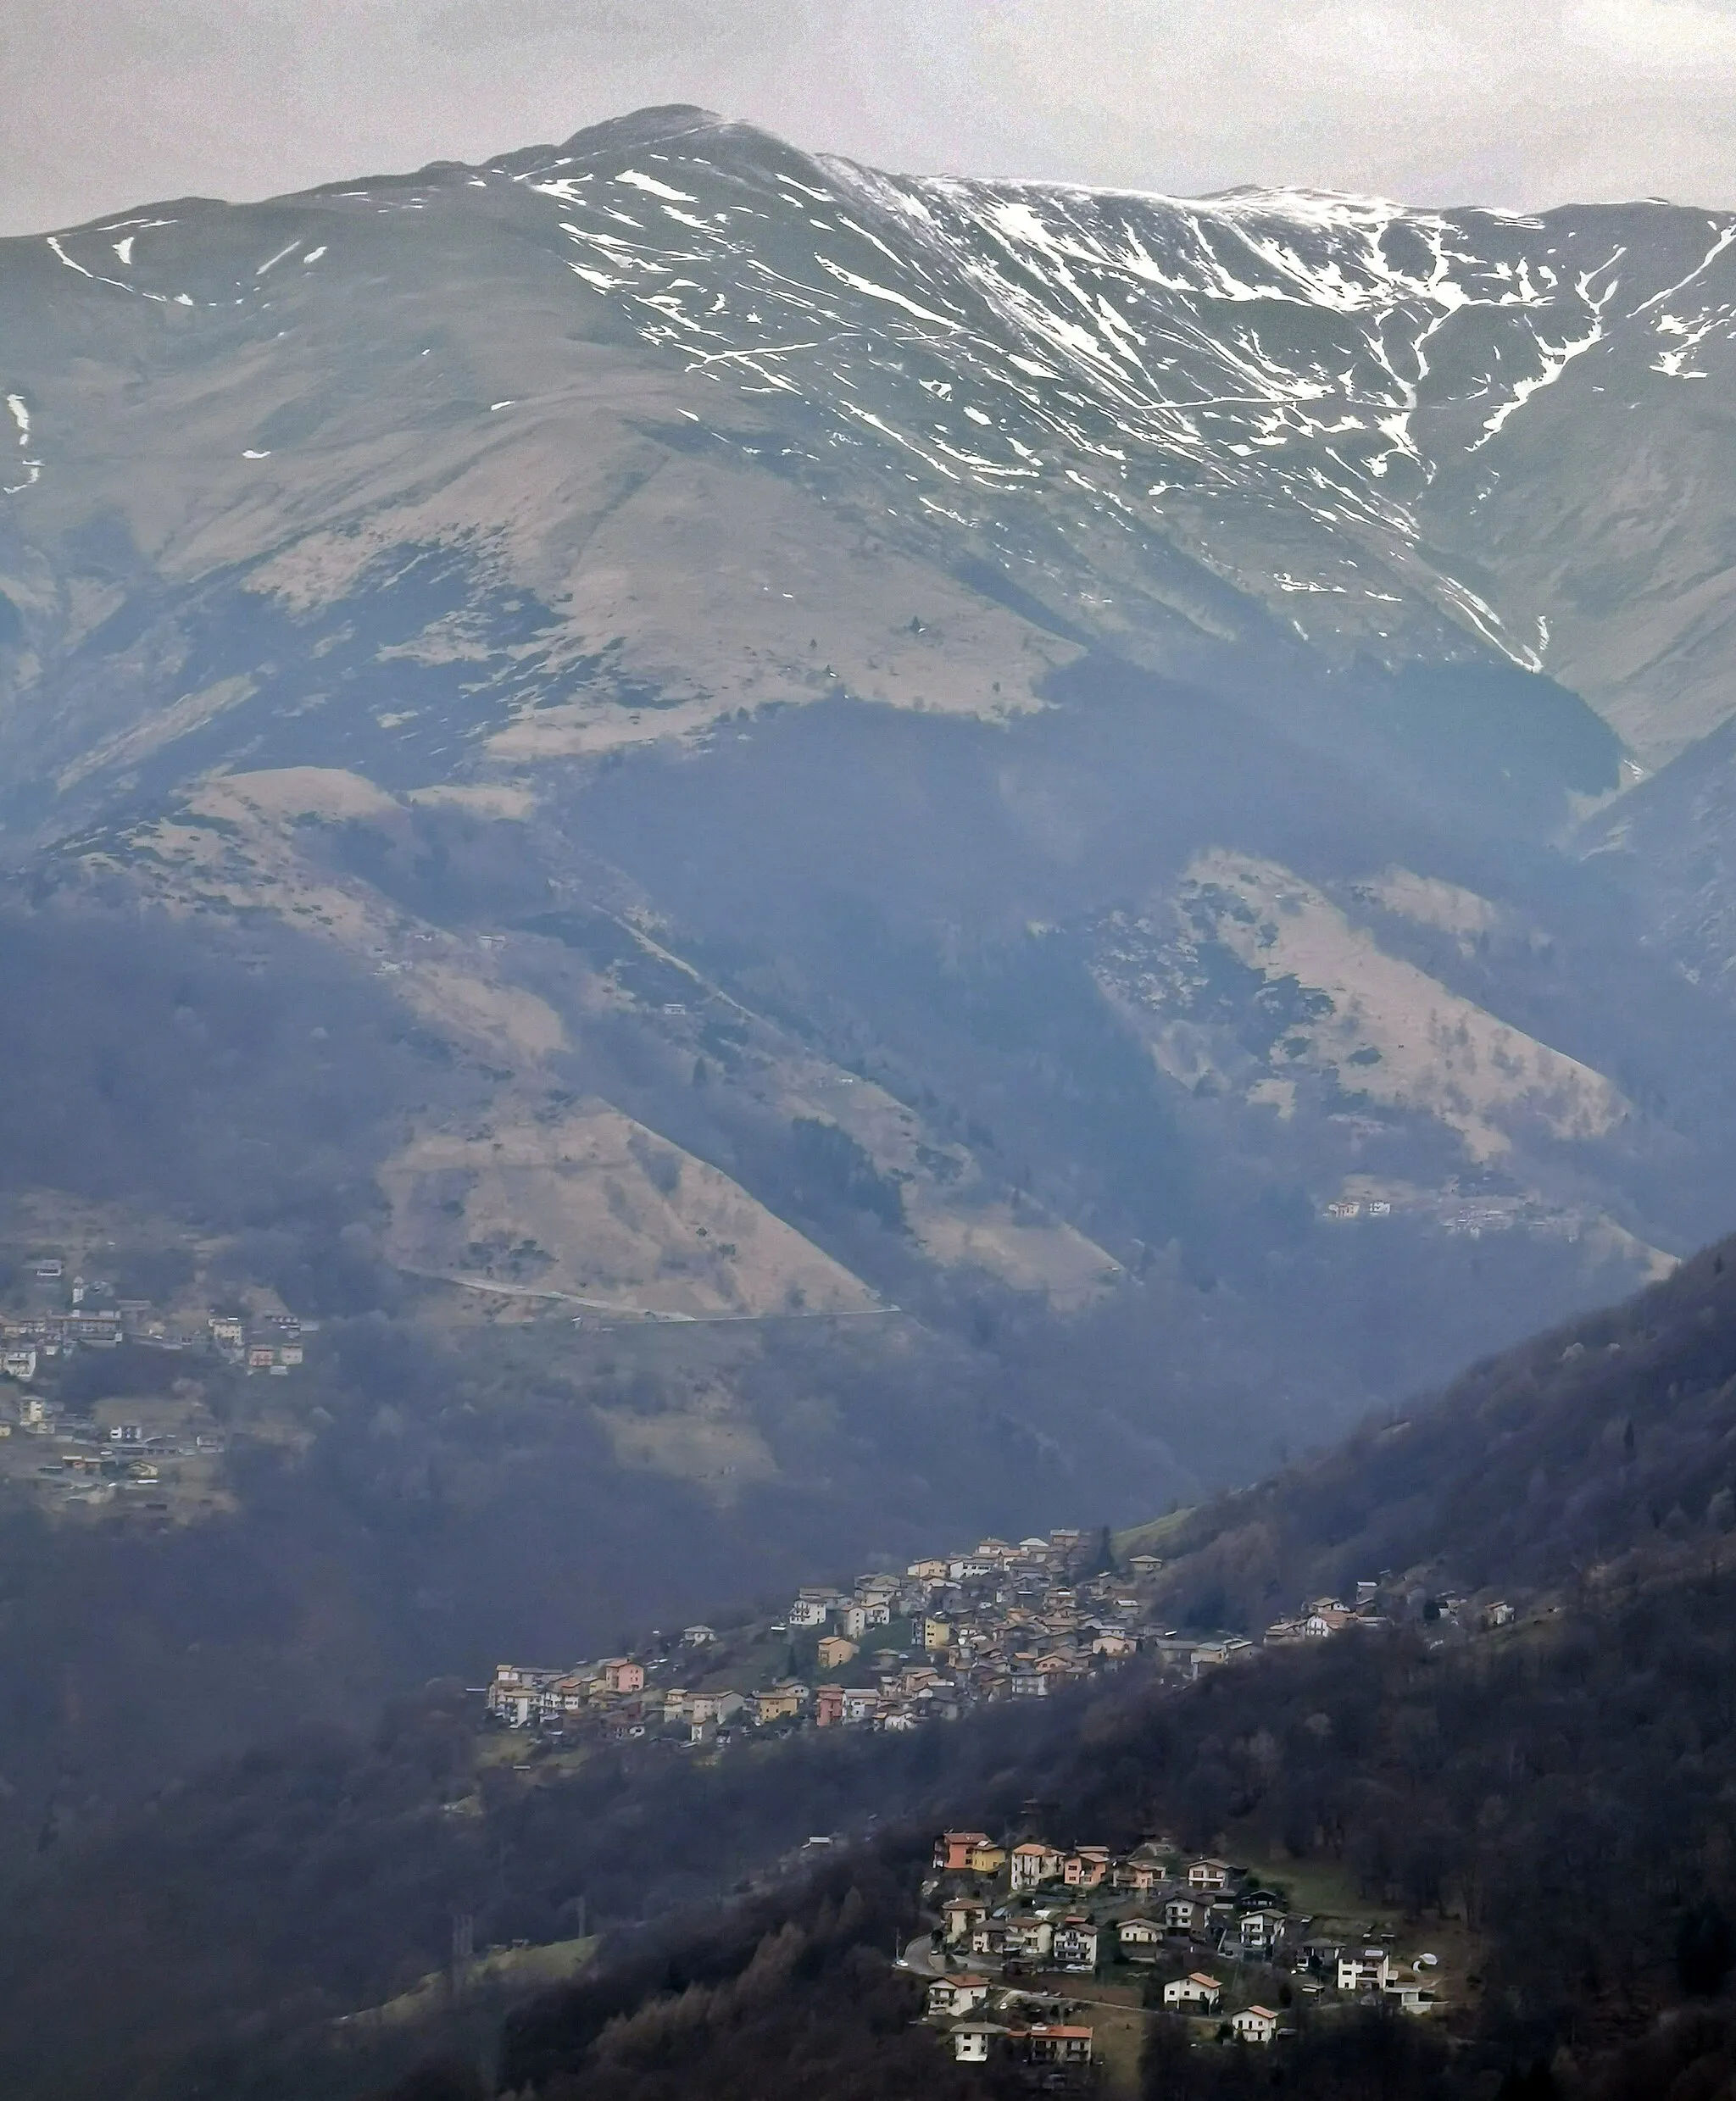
(988, 1858)
(937, 1634)
(834, 1652)
(782, 1703)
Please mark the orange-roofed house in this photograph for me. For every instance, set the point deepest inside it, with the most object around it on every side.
(953, 1849)
(1199, 1990)
(1049, 2043)
(1087, 1868)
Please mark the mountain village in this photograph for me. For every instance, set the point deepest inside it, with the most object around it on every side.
(1031, 1934)
(893, 1652)
(116, 1450)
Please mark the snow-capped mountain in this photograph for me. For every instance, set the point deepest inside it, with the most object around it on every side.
(1302, 423)
(1323, 382)
(1167, 723)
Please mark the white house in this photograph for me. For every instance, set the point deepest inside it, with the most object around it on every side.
(972, 2040)
(1365, 1969)
(957, 1995)
(1204, 1994)
(1074, 1945)
(1139, 1939)
(1261, 1929)
(1255, 2024)
(1032, 1863)
(514, 1696)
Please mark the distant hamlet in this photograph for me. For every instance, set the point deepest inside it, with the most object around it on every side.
(1005, 1621)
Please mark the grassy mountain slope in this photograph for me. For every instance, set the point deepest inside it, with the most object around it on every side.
(853, 618)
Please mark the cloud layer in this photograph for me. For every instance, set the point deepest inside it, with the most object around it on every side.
(1507, 102)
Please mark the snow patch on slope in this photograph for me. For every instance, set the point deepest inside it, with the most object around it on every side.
(18, 410)
(1142, 364)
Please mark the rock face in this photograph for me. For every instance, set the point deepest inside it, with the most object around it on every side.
(904, 730)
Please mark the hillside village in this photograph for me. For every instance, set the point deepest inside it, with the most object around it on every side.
(70, 1311)
(119, 1450)
(893, 1652)
(890, 1652)
(1037, 1943)
(1047, 1959)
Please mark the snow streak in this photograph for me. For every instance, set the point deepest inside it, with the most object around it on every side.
(1145, 365)
(18, 410)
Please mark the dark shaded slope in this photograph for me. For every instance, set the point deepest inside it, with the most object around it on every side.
(1556, 1786)
(239, 1915)
(1561, 1794)
(1610, 1434)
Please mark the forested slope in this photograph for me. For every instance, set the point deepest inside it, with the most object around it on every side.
(238, 1919)
(1558, 1784)
(1562, 1793)
(1612, 1433)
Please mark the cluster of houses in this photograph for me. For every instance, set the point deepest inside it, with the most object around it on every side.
(102, 1461)
(1003, 1621)
(1324, 1616)
(889, 1652)
(981, 2019)
(1012, 1912)
(92, 1463)
(76, 1311)
(272, 1344)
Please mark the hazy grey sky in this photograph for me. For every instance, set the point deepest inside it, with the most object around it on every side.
(108, 103)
